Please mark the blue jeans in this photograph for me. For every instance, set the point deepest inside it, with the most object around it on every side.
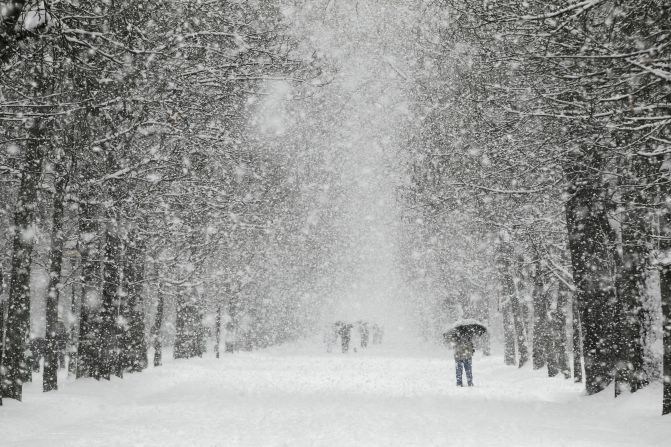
(467, 365)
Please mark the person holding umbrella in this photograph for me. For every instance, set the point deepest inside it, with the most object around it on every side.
(460, 336)
(463, 358)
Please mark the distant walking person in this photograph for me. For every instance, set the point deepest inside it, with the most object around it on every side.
(463, 358)
(364, 334)
(345, 333)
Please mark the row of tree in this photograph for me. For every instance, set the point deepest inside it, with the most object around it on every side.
(131, 181)
(545, 129)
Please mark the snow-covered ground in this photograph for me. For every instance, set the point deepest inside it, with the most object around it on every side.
(300, 396)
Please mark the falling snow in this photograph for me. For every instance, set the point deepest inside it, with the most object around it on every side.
(291, 222)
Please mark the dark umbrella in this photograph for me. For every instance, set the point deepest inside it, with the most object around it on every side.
(467, 328)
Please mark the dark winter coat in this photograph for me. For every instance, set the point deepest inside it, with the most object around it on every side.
(463, 349)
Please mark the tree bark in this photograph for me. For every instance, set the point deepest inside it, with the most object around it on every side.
(2, 333)
(88, 363)
(540, 336)
(519, 323)
(15, 368)
(217, 331)
(188, 327)
(486, 338)
(74, 331)
(665, 285)
(577, 343)
(559, 330)
(156, 328)
(632, 274)
(665, 291)
(509, 336)
(630, 283)
(108, 343)
(182, 334)
(133, 338)
(588, 234)
(2, 327)
(50, 375)
(512, 314)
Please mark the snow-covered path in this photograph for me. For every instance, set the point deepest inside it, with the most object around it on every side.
(299, 396)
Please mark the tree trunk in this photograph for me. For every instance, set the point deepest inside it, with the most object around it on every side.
(15, 367)
(588, 234)
(518, 321)
(509, 336)
(632, 274)
(88, 356)
(630, 283)
(2, 326)
(512, 315)
(74, 331)
(156, 328)
(50, 376)
(2, 333)
(188, 328)
(577, 343)
(135, 342)
(559, 330)
(665, 286)
(665, 291)
(108, 343)
(486, 339)
(217, 332)
(539, 342)
(181, 348)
